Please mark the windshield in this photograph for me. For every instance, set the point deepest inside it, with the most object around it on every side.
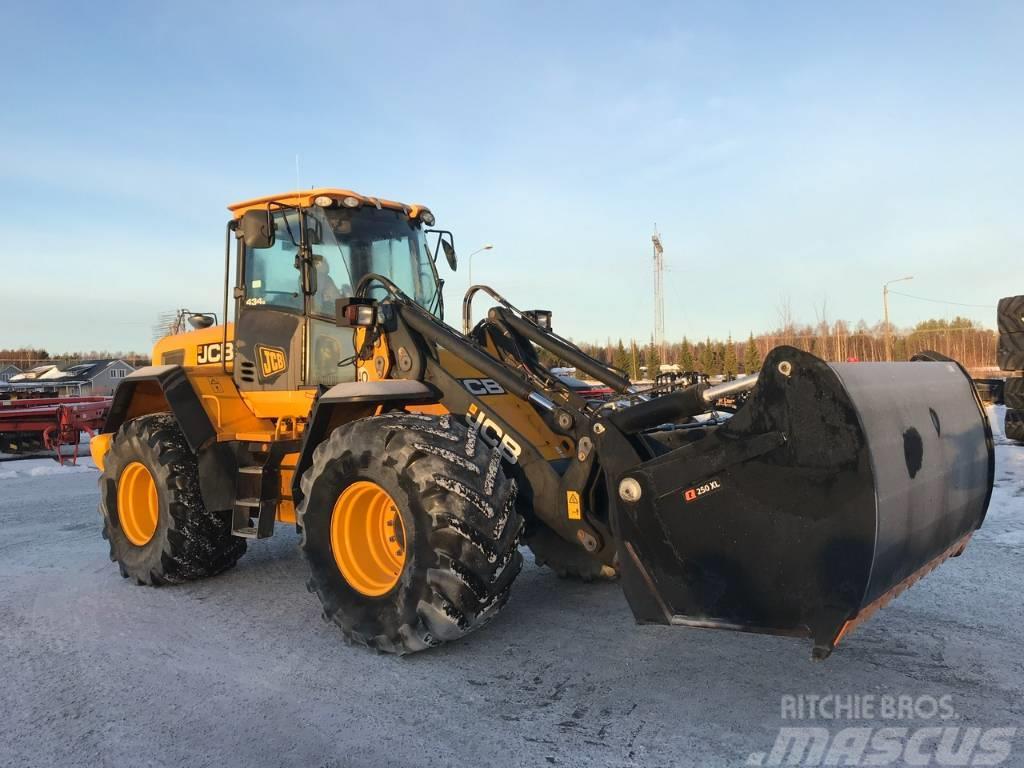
(349, 243)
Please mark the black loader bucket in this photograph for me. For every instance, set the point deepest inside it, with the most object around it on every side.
(833, 489)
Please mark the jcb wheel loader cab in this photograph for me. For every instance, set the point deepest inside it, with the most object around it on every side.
(303, 253)
(153, 514)
(410, 529)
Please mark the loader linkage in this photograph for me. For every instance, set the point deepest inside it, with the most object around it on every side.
(826, 494)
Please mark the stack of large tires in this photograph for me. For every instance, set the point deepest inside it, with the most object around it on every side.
(1010, 356)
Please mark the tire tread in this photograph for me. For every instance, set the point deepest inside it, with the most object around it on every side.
(198, 542)
(474, 528)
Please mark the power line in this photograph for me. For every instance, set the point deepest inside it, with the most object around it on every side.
(940, 301)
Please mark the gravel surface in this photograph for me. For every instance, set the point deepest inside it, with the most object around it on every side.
(240, 670)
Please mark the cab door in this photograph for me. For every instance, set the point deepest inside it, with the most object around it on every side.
(285, 334)
(329, 352)
(270, 311)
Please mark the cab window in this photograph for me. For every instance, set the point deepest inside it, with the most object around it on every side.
(271, 278)
(351, 243)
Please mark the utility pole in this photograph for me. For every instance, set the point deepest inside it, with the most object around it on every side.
(659, 294)
(885, 308)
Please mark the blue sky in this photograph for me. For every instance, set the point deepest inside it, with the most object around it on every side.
(800, 152)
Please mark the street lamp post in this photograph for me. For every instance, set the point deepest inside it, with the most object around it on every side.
(486, 247)
(885, 306)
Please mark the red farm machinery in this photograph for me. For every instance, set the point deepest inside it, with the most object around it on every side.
(31, 426)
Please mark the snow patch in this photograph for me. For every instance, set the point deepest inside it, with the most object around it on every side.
(996, 415)
(43, 468)
(1007, 504)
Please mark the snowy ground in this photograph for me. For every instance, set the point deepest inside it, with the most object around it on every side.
(239, 670)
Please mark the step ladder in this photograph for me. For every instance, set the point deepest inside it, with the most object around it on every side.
(258, 489)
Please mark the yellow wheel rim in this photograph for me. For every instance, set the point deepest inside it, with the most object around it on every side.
(368, 538)
(138, 506)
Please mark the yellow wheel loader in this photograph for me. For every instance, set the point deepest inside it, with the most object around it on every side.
(414, 459)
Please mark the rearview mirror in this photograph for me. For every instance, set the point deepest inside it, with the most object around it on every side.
(200, 320)
(256, 229)
(446, 241)
(449, 253)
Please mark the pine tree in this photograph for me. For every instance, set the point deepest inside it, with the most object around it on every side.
(730, 365)
(751, 357)
(686, 357)
(719, 364)
(653, 361)
(635, 359)
(707, 357)
(621, 358)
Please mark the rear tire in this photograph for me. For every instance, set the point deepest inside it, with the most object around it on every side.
(1010, 351)
(458, 518)
(184, 540)
(1010, 314)
(1013, 393)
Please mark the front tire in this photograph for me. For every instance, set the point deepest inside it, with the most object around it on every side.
(456, 555)
(153, 514)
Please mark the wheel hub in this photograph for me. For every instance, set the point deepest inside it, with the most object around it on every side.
(138, 505)
(368, 538)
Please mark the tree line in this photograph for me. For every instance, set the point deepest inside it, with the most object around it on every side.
(26, 358)
(960, 338)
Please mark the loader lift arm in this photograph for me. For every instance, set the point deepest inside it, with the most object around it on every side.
(415, 336)
(521, 328)
(559, 493)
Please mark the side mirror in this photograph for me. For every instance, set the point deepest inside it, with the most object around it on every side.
(199, 320)
(256, 229)
(446, 241)
(449, 253)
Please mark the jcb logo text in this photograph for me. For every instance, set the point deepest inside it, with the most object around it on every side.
(493, 435)
(482, 387)
(272, 360)
(211, 353)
